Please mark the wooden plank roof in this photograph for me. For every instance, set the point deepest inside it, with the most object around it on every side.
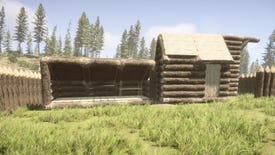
(208, 47)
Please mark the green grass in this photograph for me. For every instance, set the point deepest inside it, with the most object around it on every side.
(243, 125)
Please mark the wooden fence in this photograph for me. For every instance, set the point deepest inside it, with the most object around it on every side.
(19, 88)
(246, 83)
(265, 82)
(260, 84)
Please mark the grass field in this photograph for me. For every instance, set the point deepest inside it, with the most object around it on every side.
(243, 125)
(22, 63)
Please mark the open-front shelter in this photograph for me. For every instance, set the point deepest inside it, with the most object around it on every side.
(73, 80)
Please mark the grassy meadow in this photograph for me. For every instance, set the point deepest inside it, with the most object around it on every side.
(242, 125)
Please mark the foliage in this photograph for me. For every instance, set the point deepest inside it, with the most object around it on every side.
(269, 54)
(254, 66)
(21, 28)
(2, 25)
(153, 48)
(244, 61)
(7, 42)
(39, 26)
(31, 66)
(59, 47)
(143, 52)
(82, 34)
(218, 128)
(12, 57)
(52, 44)
(68, 45)
(130, 46)
(96, 39)
(29, 44)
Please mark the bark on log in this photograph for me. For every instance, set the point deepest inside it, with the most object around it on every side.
(267, 77)
(182, 87)
(182, 94)
(228, 93)
(182, 81)
(183, 74)
(272, 82)
(183, 100)
(234, 47)
(259, 82)
(180, 61)
(235, 52)
(233, 42)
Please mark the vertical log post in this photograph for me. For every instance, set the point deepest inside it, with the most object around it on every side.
(259, 82)
(272, 82)
(266, 81)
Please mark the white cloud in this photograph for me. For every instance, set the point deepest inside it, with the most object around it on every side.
(110, 44)
(154, 31)
(12, 8)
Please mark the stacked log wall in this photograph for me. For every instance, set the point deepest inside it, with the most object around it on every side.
(180, 79)
(19, 88)
(234, 45)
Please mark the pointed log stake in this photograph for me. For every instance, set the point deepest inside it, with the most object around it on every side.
(259, 82)
(272, 82)
(266, 81)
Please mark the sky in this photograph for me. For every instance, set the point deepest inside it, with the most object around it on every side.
(253, 18)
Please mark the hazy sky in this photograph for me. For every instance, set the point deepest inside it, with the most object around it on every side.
(253, 18)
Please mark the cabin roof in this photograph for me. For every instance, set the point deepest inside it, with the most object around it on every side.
(208, 47)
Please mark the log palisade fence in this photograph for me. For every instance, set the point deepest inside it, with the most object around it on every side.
(19, 88)
(261, 84)
(265, 82)
(247, 83)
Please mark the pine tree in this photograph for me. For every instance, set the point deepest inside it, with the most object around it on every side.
(118, 52)
(21, 28)
(143, 51)
(254, 66)
(131, 43)
(68, 47)
(29, 44)
(82, 34)
(153, 48)
(124, 51)
(39, 26)
(7, 42)
(269, 54)
(47, 44)
(77, 51)
(2, 25)
(96, 38)
(136, 39)
(53, 44)
(59, 47)
(244, 61)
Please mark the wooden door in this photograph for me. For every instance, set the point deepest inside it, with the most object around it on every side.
(212, 80)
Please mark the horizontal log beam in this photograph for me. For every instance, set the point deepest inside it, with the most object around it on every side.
(183, 74)
(182, 94)
(182, 81)
(233, 42)
(174, 87)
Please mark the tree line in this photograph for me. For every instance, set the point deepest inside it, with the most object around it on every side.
(88, 41)
(132, 46)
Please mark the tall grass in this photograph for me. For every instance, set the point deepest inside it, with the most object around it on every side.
(216, 128)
